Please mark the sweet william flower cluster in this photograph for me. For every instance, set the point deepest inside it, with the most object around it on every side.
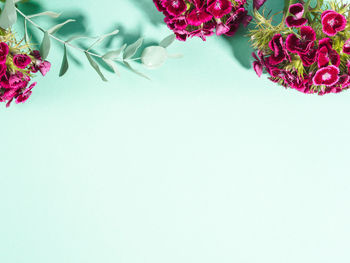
(309, 51)
(18, 64)
(203, 18)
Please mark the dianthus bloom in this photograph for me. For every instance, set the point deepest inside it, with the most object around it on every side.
(309, 55)
(202, 18)
(17, 66)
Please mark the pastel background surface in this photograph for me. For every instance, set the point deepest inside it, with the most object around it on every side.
(205, 163)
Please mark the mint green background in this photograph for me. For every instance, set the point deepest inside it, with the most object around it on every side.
(205, 163)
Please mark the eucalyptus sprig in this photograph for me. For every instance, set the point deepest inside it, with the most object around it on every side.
(151, 57)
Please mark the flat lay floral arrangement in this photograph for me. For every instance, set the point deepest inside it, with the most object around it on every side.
(309, 50)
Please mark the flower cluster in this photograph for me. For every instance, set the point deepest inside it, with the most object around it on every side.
(201, 18)
(18, 64)
(309, 51)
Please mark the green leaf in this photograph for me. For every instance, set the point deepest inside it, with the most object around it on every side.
(73, 38)
(47, 13)
(26, 38)
(95, 66)
(8, 15)
(167, 41)
(54, 29)
(112, 65)
(65, 64)
(114, 54)
(135, 71)
(45, 46)
(131, 50)
(101, 38)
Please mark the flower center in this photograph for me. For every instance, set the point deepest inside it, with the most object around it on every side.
(326, 76)
(218, 5)
(331, 22)
(175, 3)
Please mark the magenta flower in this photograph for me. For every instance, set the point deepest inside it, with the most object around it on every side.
(175, 7)
(277, 46)
(219, 8)
(198, 17)
(4, 51)
(297, 20)
(24, 96)
(303, 45)
(40, 65)
(346, 47)
(327, 54)
(332, 22)
(21, 61)
(326, 76)
(309, 58)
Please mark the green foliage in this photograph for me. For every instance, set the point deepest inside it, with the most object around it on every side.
(126, 54)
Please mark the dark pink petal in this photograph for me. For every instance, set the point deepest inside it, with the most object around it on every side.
(175, 7)
(4, 51)
(296, 20)
(327, 76)
(198, 17)
(308, 33)
(303, 45)
(277, 46)
(258, 67)
(293, 22)
(257, 4)
(346, 47)
(220, 8)
(297, 10)
(309, 58)
(332, 23)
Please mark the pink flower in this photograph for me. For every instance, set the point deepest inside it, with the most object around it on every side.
(175, 7)
(327, 76)
(309, 58)
(346, 47)
(4, 51)
(39, 64)
(327, 54)
(333, 22)
(26, 94)
(198, 17)
(303, 45)
(44, 67)
(297, 20)
(21, 61)
(277, 46)
(18, 80)
(219, 8)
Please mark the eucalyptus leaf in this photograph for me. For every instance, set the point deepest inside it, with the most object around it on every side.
(73, 38)
(54, 29)
(47, 13)
(114, 54)
(65, 64)
(95, 66)
(112, 65)
(101, 38)
(131, 50)
(8, 15)
(135, 71)
(26, 38)
(45, 46)
(154, 57)
(167, 41)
